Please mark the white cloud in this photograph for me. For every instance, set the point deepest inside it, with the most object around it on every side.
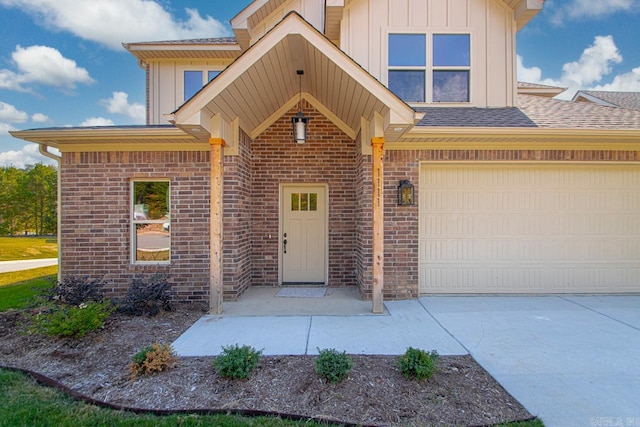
(119, 104)
(97, 121)
(10, 114)
(111, 22)
(42, 65)
(594, 64)
(28, 155)
(40, 118)
(579, 9)
(628, 82)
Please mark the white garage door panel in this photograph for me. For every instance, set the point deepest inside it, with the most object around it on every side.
(506, 229)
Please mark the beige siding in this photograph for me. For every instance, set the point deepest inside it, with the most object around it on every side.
(529, 229)
(310, 10)
(166, 84)
(490, 23)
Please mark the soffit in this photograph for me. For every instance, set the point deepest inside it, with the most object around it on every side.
(264, 80)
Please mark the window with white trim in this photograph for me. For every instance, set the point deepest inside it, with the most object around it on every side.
(150, 221)
(194, 80)
(445, 67)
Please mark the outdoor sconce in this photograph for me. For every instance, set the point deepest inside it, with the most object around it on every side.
(405, 193)
(299, 120)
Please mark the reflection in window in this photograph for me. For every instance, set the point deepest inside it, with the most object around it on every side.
(304, 201)
(193, 81)
(446, 70)
(151, 221)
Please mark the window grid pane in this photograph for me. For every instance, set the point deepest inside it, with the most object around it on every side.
(451, 86)
(192, 83)
(408, 85)
(313, 201)
(451, 50)
(407, 50)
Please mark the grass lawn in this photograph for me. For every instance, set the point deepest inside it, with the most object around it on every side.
(19, 248)
(18, 287)
(27, 403)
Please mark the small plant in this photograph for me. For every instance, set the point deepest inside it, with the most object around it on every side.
(148, 296)
(237, 362)
(73, 291)
(153, 358)
(418, 364)
(74, 321)
(333, 365)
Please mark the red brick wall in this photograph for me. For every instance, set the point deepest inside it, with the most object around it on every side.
(237, 205)
(328, 157)
(96, 206)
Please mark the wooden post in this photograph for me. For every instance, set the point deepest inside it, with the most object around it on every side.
(215, 233)
(377, 144)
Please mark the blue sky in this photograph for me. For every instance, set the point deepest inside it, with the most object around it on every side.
(62, 63)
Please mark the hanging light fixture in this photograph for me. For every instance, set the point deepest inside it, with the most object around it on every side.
(299, 120)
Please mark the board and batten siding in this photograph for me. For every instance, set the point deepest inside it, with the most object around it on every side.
(366, 24)
(529, 229)
(311, 10)
(166, 84)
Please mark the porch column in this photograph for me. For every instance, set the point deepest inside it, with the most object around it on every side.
(215, 255)
(377, 157)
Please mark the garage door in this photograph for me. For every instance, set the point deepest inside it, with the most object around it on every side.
(529, 229)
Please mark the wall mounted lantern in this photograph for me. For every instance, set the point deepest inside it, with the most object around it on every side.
(299, 120)
(405, 193)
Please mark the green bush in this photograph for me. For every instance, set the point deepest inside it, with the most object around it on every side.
(153, 358)
(237, 362)
(333, 365)
(74, 321)
(418, 364)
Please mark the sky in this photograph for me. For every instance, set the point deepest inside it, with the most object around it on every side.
(62, 62)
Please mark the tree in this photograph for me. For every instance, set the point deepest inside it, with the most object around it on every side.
(28, 200)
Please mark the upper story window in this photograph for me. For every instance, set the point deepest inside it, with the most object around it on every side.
(194, 80)
(444, 66)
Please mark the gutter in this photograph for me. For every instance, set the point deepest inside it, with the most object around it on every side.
(43, 150)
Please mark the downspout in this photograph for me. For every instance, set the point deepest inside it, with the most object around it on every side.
(43, 150)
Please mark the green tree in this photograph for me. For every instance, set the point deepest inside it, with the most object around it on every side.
(28, 200)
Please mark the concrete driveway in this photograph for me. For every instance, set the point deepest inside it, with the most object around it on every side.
(571, 360)
(8, 266)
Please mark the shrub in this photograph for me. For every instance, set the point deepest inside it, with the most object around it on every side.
(153, 358)
(333, 365)
(418, 364)
(237, 362)
(73, 291)
(74, 321)
(148, 296)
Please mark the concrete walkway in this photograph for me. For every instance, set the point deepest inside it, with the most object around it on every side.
(572, 361)
(27, 264)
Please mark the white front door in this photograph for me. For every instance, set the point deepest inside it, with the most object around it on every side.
(303, 235)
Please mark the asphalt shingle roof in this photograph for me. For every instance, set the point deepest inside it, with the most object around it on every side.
(474, 117)
(217, 40)
(534, 111)
(630, 100)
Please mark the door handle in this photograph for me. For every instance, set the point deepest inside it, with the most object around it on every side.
(284, 243)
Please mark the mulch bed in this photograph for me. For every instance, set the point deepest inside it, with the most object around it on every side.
(374, 392)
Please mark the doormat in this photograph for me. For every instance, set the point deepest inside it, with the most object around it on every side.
(301, 293)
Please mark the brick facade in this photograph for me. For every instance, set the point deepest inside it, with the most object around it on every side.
(96, 212)
(328, 157)
(96, 208)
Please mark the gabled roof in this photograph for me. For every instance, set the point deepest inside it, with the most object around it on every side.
(222, 47)
(629, 100)
(539, 90)
(262, 84)
(552, 113)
